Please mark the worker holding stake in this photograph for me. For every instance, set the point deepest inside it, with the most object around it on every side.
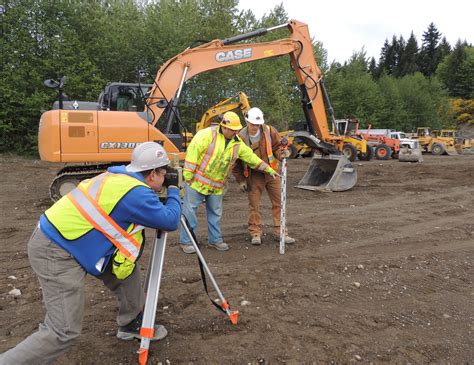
(265, 142)
(98, 229)
(209, 159)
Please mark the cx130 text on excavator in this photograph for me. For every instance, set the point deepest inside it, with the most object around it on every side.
(92, 139)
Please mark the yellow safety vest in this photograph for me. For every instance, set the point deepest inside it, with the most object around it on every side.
(208, 160)
(88, 207)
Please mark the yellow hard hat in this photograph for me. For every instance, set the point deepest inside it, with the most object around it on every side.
(232, 121)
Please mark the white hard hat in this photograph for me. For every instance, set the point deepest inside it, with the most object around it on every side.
(148, 156)
(254, 116)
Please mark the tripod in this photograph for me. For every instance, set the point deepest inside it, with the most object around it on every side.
(153, 281)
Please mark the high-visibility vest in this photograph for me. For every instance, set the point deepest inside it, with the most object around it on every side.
(272, 161)
(212, 168)
(202, 173)
(88, 207)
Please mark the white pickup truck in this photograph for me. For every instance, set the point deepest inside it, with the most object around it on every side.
(404, 141)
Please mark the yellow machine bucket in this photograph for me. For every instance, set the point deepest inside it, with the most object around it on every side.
(328, 172)
(459, 149)
(452, 150)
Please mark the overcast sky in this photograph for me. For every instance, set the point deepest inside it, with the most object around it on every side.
(345, 26)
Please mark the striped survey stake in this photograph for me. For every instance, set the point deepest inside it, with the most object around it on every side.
(152, 282)
(283, 207)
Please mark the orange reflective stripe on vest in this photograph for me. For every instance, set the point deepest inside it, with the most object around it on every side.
(199, 176)
(209, 152)
(268, 144)
(272, 161)
(100, 220)
(189, 166)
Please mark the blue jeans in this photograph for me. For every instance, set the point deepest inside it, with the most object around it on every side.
(192, 200)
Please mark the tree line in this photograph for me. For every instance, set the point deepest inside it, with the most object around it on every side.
(95, 42)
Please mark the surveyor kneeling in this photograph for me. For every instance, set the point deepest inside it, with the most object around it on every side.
(98, 229)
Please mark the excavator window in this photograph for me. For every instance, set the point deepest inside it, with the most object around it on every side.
(342, 127)
(127, 97)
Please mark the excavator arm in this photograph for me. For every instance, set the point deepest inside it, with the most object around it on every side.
(226, 53)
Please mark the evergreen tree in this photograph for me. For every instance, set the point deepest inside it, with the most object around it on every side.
(373, 68)
(398, 51)
(408, 58)
(383, 59)
(444, 48)
(430, 54)
(388, 57)
(456, 72)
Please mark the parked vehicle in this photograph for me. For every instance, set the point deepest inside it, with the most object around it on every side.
(430, 142)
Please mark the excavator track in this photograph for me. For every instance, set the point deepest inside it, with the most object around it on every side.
(70, 176)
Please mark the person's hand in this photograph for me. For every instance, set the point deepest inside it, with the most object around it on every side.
(274, 174)
(171, 177)
(243, 187)
(285, 153)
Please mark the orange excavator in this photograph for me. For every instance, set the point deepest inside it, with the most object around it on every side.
(93, 139)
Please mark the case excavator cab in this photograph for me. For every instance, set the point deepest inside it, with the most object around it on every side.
(333, 172)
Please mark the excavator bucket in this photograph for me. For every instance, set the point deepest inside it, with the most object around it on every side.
(458, 148)
(452, 151)
(408, 154)
(329, 173)
(332, 172)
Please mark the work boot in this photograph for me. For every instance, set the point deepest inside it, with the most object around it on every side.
(221, 246)
(132, 330)
(256, 240)
(288, 240)
(187, 248)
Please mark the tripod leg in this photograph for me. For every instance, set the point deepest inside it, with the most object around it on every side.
(232, 315)
(153, 288)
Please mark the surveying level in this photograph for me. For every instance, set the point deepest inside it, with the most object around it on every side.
(152, 285)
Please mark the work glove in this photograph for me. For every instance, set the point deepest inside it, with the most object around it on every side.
(272, 172)
(285, 153)
(172, 177)
(243, 187)
(122, 267)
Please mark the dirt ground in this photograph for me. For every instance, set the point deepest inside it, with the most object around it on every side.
(380, 274)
